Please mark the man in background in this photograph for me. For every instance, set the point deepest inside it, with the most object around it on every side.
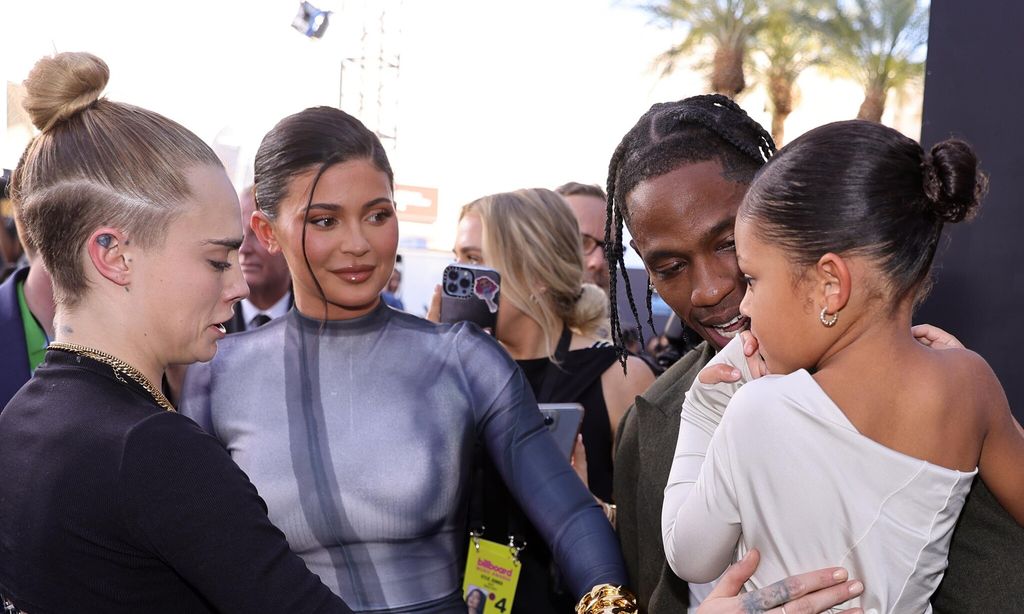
(590, 206)
(270, 294)
(26, 323)
(11, 255)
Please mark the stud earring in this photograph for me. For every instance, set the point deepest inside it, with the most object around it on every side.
(105, 240)
(829, 322)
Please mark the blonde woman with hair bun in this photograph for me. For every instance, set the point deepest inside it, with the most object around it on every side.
(111, 501)
(552, 324)
(541, 265)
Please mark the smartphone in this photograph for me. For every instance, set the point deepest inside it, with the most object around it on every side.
(470, 293)
(563, 421)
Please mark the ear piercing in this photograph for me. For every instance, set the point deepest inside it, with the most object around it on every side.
(105, 240)
(828, 320)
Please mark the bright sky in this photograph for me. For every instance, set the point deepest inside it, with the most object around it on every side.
(491, 96)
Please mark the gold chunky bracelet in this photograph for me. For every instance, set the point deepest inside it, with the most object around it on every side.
(608, 508)
(609, 512)
(608, 599)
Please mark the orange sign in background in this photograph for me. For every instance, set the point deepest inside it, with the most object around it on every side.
(416, 204)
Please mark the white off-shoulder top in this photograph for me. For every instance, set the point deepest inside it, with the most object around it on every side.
(774, 464)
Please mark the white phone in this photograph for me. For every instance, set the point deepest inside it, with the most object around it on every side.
(563, 421)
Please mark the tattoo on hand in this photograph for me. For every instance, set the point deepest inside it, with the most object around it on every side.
(764, 599)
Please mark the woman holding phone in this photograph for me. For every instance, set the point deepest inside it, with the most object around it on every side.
(358, 422)
(549, 321)
(111, 501)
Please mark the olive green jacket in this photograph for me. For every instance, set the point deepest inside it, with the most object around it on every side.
(645, 445)
(986, 560)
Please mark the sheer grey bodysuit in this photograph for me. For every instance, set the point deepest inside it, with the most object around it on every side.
(359, 435)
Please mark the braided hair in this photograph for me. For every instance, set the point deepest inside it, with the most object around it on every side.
(668, 136)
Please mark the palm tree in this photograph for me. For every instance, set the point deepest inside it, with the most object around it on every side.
(876, 42)
(729, 24)
(786, 47)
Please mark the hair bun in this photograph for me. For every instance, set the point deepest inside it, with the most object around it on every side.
(58, 87)
(953, 183)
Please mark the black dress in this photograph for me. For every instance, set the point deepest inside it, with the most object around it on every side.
(577, 379)
(574, 378)
(109, 503)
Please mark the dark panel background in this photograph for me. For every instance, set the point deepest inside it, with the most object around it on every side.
(974, 90)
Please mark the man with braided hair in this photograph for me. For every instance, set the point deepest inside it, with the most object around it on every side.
(676, 180)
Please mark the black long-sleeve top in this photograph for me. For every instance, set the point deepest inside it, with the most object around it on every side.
(109, 503)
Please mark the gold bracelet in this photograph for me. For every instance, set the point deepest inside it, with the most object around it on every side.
(608, 599)
(609, 510)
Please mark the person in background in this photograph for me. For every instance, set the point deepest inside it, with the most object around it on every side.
(270, 294)
(672, 344)
(547, 321)
(588, 204)
(26, 323)
(11, 253)
(390, 293)
(631, 341)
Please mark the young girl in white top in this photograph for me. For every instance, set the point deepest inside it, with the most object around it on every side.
(861, 448)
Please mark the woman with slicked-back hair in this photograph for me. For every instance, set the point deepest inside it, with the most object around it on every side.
(110, 500)
(358, 422)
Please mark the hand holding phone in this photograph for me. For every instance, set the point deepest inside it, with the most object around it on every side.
(470, 293)
(563, 421)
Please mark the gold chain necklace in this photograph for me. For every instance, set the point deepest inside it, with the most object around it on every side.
(119, 367)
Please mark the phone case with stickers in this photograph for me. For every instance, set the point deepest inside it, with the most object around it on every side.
(470, 293)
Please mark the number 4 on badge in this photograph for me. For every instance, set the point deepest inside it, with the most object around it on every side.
(500, 605)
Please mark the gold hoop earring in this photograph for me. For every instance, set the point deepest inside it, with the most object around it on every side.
(828, 322)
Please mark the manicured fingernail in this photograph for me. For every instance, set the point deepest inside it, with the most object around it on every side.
(840, 574)
(856, 588)
(734, 373)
